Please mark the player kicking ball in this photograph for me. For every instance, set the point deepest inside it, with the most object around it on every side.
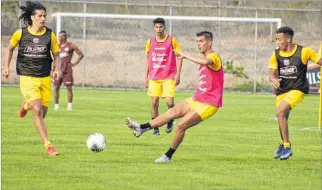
(204, 104)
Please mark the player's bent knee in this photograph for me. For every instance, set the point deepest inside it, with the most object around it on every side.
(182, 128)
(173, 113)
(37, 109)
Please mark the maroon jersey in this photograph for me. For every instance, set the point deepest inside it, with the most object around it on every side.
(66, 54)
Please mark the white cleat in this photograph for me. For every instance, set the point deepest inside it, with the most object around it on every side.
(136, 129)
(163, 159)
(56, 108)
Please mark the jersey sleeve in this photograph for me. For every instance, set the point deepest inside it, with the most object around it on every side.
(309, 54)
(175, 45)
(273, 62)
(15, 39)
(217, 61)
(54, 43)
(147, 46)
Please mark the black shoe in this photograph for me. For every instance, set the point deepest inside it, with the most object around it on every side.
(169, 127)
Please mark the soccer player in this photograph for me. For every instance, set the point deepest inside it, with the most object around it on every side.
(66, 53)
(288, 66)
(163, 69)
(36, 43)
(204, 104)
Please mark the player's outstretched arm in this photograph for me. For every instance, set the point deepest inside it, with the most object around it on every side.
(197, 59)
(79, 53)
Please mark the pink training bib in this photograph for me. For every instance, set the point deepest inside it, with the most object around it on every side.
(211, 85)
(162, 60)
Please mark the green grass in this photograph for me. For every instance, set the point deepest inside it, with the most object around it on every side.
(232, 150)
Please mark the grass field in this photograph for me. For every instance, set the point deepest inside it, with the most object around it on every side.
(232, 150)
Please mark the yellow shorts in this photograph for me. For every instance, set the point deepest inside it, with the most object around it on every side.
(162, 88)
(293, 97)
(204, 110)
(33, 88)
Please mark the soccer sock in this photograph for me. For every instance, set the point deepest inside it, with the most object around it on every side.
(69, 105)
(145, 126)
(171, 121)
(287, 144)
(56, 105)
(155, 129)
(47, 144)
(170, 152)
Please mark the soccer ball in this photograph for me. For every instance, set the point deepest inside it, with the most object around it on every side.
(96, 142)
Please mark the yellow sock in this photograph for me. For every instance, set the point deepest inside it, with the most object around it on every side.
(287, 144)
(25, 106)
(47, 144)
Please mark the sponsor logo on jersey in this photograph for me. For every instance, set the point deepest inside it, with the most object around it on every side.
(63, 54)
(35, 49)
(288, 70)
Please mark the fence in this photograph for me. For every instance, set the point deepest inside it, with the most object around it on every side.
(114, 47)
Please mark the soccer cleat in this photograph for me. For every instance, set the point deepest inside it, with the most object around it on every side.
(286, 153)
(51, 151)
(136, 128)
(156, 132)
(279, 150)
(163, 159)
(169, 127)
(23, 112)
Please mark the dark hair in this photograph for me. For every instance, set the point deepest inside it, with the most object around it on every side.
(28, 10)
(63, 31)
(286, 30)
(208, 35)
(159, 21)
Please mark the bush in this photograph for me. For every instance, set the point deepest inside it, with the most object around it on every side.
(238, 71)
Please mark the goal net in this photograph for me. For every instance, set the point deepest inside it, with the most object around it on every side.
(114, 47)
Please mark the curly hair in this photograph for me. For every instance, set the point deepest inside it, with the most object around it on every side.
(28, 10)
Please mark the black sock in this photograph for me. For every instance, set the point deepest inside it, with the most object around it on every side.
(155, 129)
(171, 121)
(146, 125)
(170, 152)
